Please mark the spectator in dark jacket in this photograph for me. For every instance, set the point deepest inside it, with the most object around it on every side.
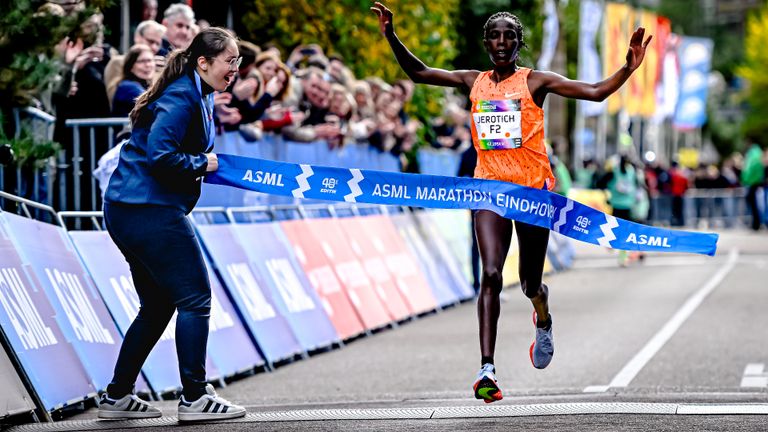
(138, 69)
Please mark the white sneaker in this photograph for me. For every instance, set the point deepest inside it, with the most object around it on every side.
(209, 407)
(127, 407)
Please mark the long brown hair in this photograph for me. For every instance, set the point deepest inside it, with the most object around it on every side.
(208, 43)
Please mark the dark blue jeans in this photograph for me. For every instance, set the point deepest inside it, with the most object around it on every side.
(169, 273)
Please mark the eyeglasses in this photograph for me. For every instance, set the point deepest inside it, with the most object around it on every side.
(234, 64)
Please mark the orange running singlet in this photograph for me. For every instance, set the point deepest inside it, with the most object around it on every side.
(508, 132)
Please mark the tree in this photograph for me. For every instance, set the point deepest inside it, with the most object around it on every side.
(348, 28)
(753, 70)
(29, 33)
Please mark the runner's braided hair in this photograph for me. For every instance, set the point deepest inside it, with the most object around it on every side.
(515, 22)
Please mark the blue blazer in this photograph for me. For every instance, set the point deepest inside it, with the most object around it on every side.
(163, 162)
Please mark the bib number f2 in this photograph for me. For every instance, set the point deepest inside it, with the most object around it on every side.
(498, 124)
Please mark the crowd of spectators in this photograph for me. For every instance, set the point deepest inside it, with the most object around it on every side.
(708, 184)
(308, 95)
(311, 95)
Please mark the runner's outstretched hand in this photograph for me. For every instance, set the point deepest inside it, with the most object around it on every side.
(385, 17)
(637, 47)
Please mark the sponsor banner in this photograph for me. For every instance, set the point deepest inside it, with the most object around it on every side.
(14, 399)
(695, 56)
(590, 70)
(250, 293)
(456, 228)
(393, 254)
(438, 280)
(30, 328)
(367, 246)
(619, 25)
(226, 330)
(641, 87)
(551, 30)
(112, 277)
(668, 86)
(323, 278)
(80, 311)
(443, 256)
(534, 206)
(291, 291)
(329, 234)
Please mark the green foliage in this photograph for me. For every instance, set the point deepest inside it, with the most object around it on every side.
(32, 152)
(350, 29)
(27, 41)
(29, 64)
(753, 70)
(28, 150)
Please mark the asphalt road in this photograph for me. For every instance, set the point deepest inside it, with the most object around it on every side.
(678, 342)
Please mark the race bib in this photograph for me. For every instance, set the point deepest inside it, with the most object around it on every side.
(497, 124)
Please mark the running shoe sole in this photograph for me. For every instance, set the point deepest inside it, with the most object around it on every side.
(196, 416)
(114, 415)
(487, 390)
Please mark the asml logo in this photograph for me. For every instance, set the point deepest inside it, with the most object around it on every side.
(329, 185)
(643, 239)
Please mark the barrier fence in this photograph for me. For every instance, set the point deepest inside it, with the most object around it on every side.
(287, 281)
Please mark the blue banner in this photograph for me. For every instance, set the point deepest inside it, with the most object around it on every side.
(227, 331)
(112, 278)
(80, 311)
(292, 293)
(695, 55)
(529, 205)
(250, 293)
(28, 321)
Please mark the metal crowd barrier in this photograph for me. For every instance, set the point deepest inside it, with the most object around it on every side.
(40, 124)
(704, 209)
(91, 126)
(70, 172)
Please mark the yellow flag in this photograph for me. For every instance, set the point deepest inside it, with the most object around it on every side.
(619, 24)
(641, 88)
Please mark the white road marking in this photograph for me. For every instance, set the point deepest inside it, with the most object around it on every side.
(638, 362)
(754, 376)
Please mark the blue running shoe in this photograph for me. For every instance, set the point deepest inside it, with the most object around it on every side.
(543, 346)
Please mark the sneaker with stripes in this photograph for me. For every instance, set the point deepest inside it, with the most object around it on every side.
(209, 406)
(127, 407)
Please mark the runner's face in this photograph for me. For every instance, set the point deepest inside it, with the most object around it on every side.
(501, 42)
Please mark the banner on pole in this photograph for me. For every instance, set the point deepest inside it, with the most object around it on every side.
(590, 70)
(695, 56)
(619, 25)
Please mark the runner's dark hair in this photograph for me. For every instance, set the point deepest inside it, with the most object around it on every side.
(515, 22)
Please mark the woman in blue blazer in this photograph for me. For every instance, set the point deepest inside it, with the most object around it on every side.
(155, 185)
